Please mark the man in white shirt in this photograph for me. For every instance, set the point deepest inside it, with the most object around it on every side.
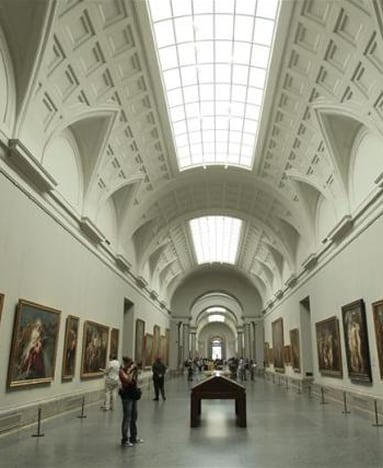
(112, 382)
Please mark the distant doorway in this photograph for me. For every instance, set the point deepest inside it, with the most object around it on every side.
(216, 348)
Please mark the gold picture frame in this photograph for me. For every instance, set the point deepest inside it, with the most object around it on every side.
(94, 349)
(70, 347)
(34, 345)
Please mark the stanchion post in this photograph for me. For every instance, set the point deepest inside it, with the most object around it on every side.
(345, 411)
(299, 390)
(377, 424)
(82, 415)
(309, 391)
(38, 433)
(322, 402)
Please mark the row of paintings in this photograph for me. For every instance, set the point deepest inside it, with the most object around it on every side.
(34, 346)
(329, 343)
(150, 345)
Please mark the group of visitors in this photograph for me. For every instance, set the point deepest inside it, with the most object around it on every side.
(125, 378)
(239, 368)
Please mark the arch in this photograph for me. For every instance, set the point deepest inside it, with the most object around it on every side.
(340, 127)
(146, 244)
(366, 164)
(199, 179)
(7, 90)
(62, 159)
(91, 129)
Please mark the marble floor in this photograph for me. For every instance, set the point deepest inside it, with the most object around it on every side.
(284, 430)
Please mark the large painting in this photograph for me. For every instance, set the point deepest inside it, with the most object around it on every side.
(278, 345)
(139, 346)
(94, 349)
(114, 340)
(295, 353)
(328, 345)
(148, 349)
(34, 344)
(70, 347)
(356, 341)
(377, 309)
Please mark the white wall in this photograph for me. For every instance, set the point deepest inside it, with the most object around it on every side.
(42, 262)
(355, 273)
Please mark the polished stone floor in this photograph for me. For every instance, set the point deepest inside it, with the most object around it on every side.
(285, 430)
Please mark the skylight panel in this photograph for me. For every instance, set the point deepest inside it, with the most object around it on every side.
(214, 54)
(216, 309)
(216, 238)
(216, 318)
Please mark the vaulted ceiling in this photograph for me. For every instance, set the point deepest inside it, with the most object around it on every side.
(90, 68)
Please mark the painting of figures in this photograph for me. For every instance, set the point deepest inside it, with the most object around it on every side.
(295, 353)
(70, 347)
(139, 348)
(328, 346)
(278, 345)
(114, 339)
(94, 349)
(356, 341)
(148, 349)
(34, 344)
(377, 310)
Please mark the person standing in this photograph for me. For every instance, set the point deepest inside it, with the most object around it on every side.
(112, 382)
(158, 369)
(128, 379)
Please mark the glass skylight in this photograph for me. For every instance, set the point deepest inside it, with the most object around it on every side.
(216, 318)
(216, 309)
(214, 56)
(216, 238)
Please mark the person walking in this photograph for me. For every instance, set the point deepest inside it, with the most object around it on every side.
(112, 382)
(158, 369)
(128, 378)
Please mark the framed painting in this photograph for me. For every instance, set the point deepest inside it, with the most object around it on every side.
(156, 341)
(114, 340)
(356, 341)
(34, 344)
(295, 352)
(94, 349)
(278, 344)
(377, 310)
(139, 345)
(1, 304)
(287, 354)
(266, 353)
(328, 347)
(271, 355)
(148, 349)
(70, 347)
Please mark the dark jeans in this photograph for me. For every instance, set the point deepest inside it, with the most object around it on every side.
(158, 383)
(129, 420)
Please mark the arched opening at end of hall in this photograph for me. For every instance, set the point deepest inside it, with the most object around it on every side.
(216, 348)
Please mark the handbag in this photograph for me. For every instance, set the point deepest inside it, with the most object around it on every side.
(135, 393)
(131, 393)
